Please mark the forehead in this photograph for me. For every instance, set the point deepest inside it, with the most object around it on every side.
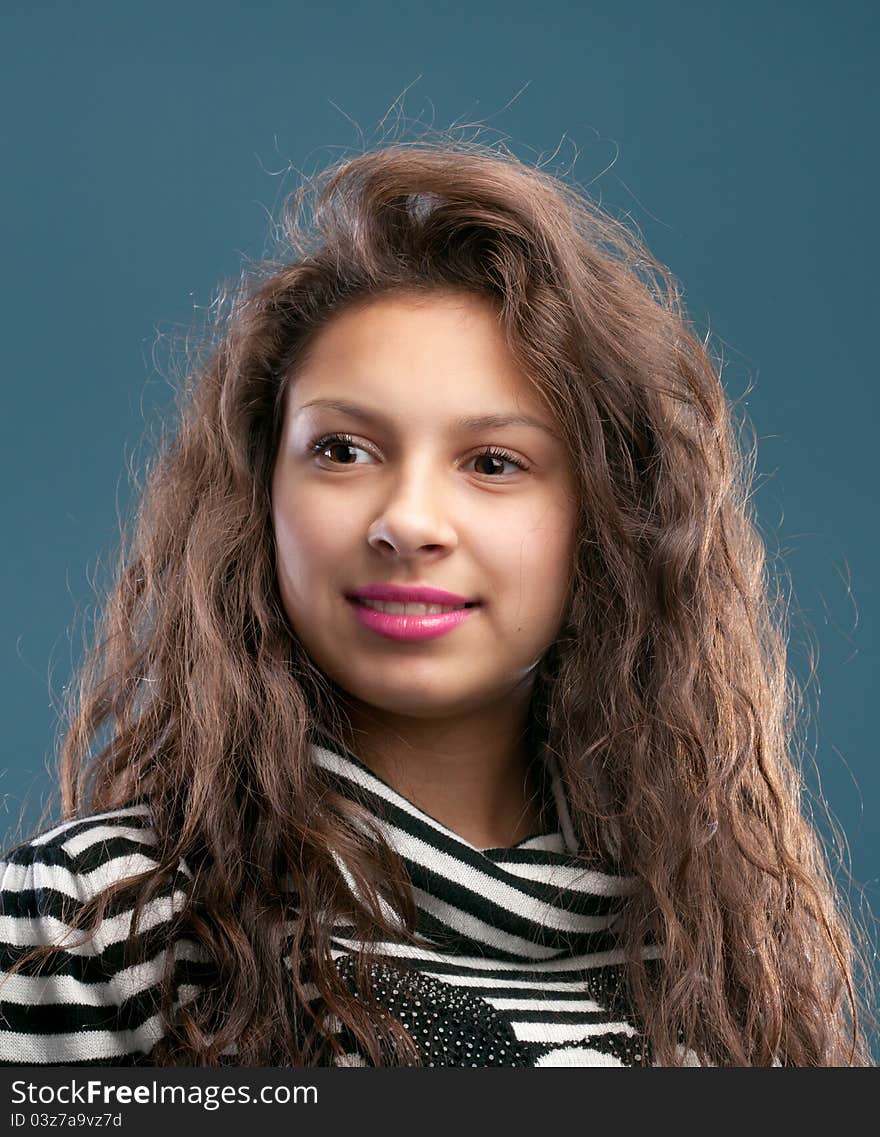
(411, 355)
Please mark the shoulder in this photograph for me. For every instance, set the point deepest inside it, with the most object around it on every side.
(85, 842)
(95, 999)
(82, 857)
(45, 881)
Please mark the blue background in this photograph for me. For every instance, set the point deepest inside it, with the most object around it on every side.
(147, 146)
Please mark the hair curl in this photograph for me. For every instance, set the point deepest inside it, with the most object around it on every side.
(666, 697)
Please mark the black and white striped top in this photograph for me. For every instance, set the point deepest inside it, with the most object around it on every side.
(519, 964)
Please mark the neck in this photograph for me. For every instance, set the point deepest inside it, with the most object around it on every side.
(473, 773)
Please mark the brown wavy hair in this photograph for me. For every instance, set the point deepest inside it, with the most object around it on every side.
(666, 698)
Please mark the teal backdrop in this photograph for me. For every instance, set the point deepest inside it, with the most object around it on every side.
(146, 147)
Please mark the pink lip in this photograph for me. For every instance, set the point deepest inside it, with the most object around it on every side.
(398, 627)
(414, 594)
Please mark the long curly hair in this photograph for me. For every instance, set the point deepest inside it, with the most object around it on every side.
(666, 698)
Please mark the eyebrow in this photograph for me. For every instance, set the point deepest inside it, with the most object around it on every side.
(466, 423)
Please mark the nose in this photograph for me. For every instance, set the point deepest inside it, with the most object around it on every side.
(412, 519)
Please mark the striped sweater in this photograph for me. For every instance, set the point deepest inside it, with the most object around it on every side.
(519, 964)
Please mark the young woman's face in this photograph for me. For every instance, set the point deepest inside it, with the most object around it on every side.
(410, 498)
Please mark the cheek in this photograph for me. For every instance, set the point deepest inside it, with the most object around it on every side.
(543, 558)
(546, 558)
(298, 540)
(308, 549)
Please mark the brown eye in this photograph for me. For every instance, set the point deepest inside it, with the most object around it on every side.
(342, 442)
(490, 464)
(493, 458)
(340, 446)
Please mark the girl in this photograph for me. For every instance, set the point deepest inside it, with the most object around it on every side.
(446, 712)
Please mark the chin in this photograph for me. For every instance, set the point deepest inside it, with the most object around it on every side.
(423, 700)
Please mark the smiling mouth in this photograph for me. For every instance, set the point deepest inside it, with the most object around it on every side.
(410, 608)
(415, 623)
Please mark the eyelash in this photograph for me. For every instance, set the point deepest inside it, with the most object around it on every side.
(320, 444)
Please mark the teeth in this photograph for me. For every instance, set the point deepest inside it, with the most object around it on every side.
(409, 609)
